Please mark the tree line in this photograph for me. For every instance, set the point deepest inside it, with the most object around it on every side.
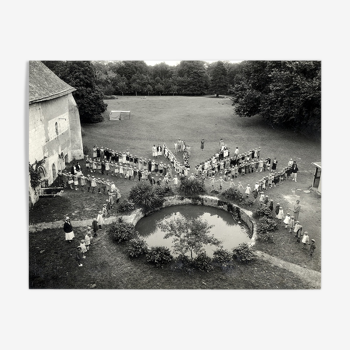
(284, 93)
(187, 78)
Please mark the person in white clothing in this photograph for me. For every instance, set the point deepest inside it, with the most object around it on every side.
(280, 214)
(286, 220)
(248, 190)
(100, 219)
(305, 239)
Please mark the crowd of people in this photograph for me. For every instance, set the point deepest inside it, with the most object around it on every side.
(124, 165)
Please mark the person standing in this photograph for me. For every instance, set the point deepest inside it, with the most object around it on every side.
(296, 210)
(95, 226)
(294, 171)
(274, 163)
(305, 239)
(99, 220)
(68, 229)
(79, 256)
(202, 144)
(312, 247)
(236, 151)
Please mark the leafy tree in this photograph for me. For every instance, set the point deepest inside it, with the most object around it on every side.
(218, 81)
(284, 93)
(188, 235)
(149, 89)
(159, 88)
(193, 77)
(88, 96)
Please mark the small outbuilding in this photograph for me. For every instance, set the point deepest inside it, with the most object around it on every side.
(119, 115)
(316, 183)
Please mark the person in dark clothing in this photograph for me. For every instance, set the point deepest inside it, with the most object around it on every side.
(95, 226)
(68, 230)
(79, 256)
(312, 247)
(202, 144)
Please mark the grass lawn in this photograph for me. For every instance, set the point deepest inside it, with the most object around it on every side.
(165, 119)
(107, 266)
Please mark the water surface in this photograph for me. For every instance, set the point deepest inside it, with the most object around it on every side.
(225, 229)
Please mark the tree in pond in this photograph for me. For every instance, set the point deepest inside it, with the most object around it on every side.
(189, 236)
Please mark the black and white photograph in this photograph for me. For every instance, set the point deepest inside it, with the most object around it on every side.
(175, 175)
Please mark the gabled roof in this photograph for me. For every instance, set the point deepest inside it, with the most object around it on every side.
(44, 84)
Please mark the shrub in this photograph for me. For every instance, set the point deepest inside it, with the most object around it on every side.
(233, 194)
(159, 256)
(86, 150)
(122, 231)
(125, 206)
(164, 191)
(267, 224)
(222, 256)
(191, 186)
(263, 210)
(203, 262)
(184, 263)
(144, 194)
(243, 253)
(137, 247)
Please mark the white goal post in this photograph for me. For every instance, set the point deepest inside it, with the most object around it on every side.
(119, 115)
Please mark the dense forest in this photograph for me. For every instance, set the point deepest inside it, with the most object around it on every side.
(284, 93)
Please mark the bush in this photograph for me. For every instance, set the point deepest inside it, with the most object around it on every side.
(243, 253)
(203, 262)
(222, 256)
(233, 194)
(263, 210)
(184, 263)
(164, 191)
(159, 256)
(266, 225)
(137, 247)
(122, 231)
(191, 186)
(125, 206)
(144, 194)
(86, 150)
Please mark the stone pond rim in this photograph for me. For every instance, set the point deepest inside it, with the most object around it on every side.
(245, 215)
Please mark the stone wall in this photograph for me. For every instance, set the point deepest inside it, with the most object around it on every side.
(245, 215)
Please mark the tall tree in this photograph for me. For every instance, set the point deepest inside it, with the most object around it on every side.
(88, 96)
(283, 92)
(189, 236)
(195, 80)
(218, 79)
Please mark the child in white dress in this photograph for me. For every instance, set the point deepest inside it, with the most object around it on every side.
(280, 214)
(287, 220)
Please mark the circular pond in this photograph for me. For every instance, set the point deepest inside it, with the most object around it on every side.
(228, 231)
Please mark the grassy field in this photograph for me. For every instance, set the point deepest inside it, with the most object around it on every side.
(163, 120)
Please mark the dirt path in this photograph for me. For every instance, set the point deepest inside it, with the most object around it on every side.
(310, 276)
(75, 223)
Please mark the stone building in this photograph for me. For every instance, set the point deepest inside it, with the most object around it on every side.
(54, 123)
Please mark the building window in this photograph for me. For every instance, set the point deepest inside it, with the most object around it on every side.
(56, 128)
